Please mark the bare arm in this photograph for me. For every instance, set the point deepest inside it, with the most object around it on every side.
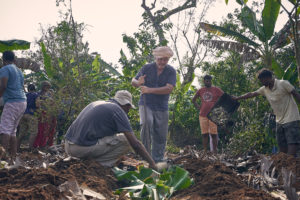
(296, 94)
(194, 100)
(138, 82)
(161, 90)
(247, 95)
(139, 148)
(3, 85)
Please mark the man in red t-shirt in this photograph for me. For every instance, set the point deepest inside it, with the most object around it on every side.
(208, 95)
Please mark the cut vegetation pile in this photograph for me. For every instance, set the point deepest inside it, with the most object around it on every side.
(49, 175)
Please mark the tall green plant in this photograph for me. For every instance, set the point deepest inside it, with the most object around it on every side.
(77, 76)
(263, 45)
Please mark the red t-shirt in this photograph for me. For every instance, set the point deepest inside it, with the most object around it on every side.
(209, 96)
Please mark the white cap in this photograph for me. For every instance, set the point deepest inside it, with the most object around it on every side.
(162, 52)
(124, 97)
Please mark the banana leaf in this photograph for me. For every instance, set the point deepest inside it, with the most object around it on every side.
(269, 17)
(47, 61)
(288, 73)
(291, 73)
(248, 17)
(241, 2)
(277, 69)
(218, 30)
(148, 184)
(281, 38)
(6, 45)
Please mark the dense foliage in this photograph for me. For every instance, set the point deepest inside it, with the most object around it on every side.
(79, 77)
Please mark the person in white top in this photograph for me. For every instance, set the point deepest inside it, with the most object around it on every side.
(280, 95)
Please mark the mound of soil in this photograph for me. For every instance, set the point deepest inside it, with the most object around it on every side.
(43, 183)
(282, 160)
(215, 181)
(42, 175)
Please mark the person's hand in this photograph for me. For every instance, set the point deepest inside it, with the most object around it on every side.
(141, 80)
(153, 166)
(145, 89)
(234, 98)
(161, 166)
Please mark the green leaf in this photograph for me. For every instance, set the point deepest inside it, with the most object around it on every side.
(145, 173)
(121, 174)
(178, 83)
(218, 30)
(111, 69)
(96, 64)
(293, 1)
(298, 11)
(290, 71)
(187, 86)
(277, 69)
(249, 19)
(226, 1)
(165, 184)
(9, 45)
(281, 38)
(180, 180)
(241, 2)
(47, 61)
(269, 17)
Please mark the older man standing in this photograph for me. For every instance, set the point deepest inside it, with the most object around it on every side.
(156, 81)
(12, 90)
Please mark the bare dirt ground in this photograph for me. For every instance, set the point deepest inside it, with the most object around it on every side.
(49, 175)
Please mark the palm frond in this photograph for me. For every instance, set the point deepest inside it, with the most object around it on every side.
(25, 63)
(248, 53)
(221, 31)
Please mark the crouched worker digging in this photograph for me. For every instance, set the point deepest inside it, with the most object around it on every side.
(102, 132)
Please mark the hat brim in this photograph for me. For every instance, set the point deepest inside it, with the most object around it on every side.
(124, 102)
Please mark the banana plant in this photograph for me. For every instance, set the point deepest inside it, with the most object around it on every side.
(265, 42)
(9, 45)
(6, 45)
(147, 184)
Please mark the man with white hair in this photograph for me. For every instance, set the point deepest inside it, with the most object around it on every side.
(156, 81)
(102, 132)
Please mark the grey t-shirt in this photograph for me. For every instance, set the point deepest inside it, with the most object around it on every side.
(97, 120)
(157, 102)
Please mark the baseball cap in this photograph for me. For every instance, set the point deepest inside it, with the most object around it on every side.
(124, 97)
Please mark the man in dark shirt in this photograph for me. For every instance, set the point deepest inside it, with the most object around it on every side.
(29, 121)
(102, 132)
(156, 81)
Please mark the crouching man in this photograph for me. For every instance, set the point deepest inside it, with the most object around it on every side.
(102, 132)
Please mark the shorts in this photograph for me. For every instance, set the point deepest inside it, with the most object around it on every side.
(288, 133)
(11, 115)
(207, 126)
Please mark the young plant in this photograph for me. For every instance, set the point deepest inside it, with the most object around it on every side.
(146, 183)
